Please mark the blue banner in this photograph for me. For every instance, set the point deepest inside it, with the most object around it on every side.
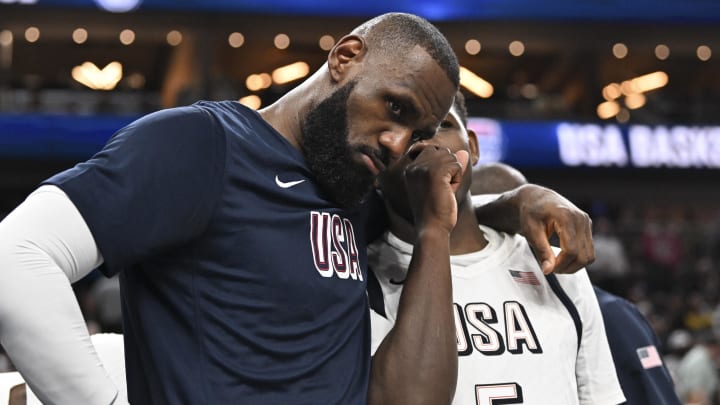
(566, 144)
(648, 10)
(521, 144)
(56, 136)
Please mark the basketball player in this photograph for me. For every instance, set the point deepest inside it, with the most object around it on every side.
(643, 375)
(238, 236)
(521, 337)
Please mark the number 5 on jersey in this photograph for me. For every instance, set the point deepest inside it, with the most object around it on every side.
(497, 394)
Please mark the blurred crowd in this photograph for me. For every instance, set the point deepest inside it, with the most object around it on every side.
(666, 260)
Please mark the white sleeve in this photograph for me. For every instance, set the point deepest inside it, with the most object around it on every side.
(595, 370)
(45, 245)
(110, 348)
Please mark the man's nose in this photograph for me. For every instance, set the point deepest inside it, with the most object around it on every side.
(396, 141)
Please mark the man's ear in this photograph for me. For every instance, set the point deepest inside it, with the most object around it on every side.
(346, 53)
(474, 149)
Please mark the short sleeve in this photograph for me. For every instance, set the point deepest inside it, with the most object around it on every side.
(153, 186)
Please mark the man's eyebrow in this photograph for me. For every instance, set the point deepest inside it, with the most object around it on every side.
(407, 102)
(412, 110)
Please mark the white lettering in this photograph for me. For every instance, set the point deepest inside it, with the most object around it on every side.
(338, 255)
(320, 241)
(591, 145)
(355, 270)
(518, 329)
(489, 340)
(678, 146)
(640, 150)
(333, 246)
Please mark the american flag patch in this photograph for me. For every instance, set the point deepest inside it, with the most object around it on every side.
(649, 357)
(525, 277)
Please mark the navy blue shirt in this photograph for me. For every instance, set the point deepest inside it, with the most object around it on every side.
(631, 337)
(241, 282)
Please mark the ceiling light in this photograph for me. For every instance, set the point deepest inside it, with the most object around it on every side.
(174, 38)
(127, 37)
(98, 79)
(251, 101)
(32, 34)
(326, 42)
(6, 38)
(257, 82)
(281, 41)
(635, 101)
(80, 35)
(475, 84)
(704, 52)
(290, 72)
(612, 91)
(620, 50)
(236, 40)
(662, 52)
(473, 46)
(650, 81)
(608, 109)
(516, 48)
(627, 87)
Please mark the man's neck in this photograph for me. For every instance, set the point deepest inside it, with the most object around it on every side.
(466, 237)
(286, 115)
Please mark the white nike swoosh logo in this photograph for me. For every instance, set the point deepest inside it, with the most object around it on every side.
(287, 184)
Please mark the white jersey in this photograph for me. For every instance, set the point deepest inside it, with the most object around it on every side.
(517, 339)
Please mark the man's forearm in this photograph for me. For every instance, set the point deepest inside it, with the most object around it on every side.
(43, 244)
(417, 361)
(502, 214)
(43, 331)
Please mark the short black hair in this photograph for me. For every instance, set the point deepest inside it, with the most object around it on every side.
(460, 108)
(395, 32)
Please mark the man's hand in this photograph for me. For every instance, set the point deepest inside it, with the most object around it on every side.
(431, 180)
(537, 213)
(543, 213)
(428, 176)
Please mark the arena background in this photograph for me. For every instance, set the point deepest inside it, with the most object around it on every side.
(550, 90)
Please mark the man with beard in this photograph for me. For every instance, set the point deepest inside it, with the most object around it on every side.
(238, 236)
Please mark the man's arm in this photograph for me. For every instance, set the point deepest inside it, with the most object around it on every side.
(417, 361)
(537, 213)
(44, 245)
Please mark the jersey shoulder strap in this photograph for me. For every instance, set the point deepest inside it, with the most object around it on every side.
(567, 302)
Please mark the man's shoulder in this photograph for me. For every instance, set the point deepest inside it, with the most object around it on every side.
(615, 304)
(623, 319)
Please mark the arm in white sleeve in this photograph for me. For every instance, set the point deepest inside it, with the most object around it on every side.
(44, 246)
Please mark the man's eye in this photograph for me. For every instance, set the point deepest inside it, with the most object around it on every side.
(395, 107)
(446, 124)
